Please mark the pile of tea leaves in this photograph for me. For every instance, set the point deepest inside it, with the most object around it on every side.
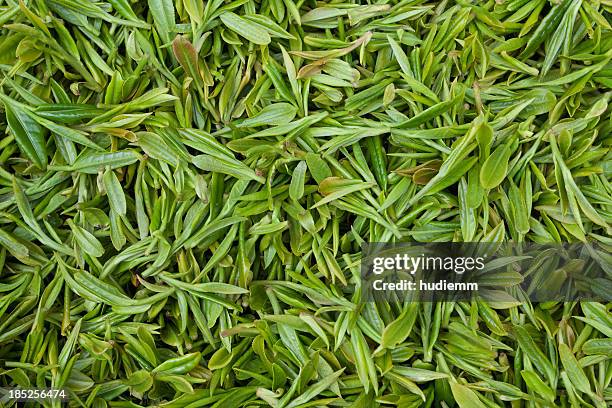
(185, 187)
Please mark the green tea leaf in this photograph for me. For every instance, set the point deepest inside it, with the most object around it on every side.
(250, 30)
(28, 134)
